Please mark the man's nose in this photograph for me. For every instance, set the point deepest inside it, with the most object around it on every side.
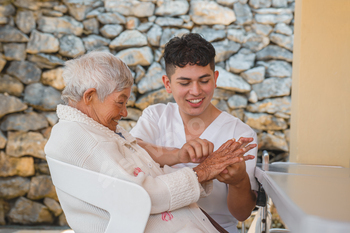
(195, 89)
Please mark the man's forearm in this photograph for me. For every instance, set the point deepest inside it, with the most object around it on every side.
(241, 199)
(162, 155)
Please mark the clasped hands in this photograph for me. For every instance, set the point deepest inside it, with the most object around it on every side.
(227, 164)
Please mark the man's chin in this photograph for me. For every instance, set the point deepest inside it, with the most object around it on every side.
(195, 112)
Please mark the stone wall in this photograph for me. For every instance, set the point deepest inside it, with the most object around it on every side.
(253, 40)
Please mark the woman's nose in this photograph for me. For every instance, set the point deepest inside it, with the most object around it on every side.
(124, 112)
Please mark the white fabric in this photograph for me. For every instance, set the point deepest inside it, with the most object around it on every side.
(162, 125)
(80, 141)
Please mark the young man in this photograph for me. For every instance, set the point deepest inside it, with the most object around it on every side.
(196, 127)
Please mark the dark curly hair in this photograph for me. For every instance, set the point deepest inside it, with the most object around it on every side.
(191, 49)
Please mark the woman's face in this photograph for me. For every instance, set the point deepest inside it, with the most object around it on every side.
(111, 110)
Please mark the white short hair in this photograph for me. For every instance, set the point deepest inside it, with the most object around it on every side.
(97, 69)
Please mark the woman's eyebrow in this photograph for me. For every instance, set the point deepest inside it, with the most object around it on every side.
(123, 96)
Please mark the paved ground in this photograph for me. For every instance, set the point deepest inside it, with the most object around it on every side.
(34, 229)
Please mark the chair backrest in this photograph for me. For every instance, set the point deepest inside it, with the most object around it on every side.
(125, 201)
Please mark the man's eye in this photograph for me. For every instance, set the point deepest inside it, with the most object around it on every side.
(205, 81)
(184, 84)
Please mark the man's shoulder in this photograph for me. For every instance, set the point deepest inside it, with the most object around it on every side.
(228, 118)
(238, 124)
(160, 109)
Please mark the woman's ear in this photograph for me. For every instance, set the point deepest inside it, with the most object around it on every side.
(88, 96)
(166, 82)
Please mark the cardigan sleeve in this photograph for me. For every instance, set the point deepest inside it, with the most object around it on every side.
(178, 189)
(167, 191)
(205, 187)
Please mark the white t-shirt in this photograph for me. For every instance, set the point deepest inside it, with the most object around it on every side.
(162, 125)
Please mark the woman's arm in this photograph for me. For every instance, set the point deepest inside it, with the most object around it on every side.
(167, 191)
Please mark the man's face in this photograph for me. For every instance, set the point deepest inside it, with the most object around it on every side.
(192, 87)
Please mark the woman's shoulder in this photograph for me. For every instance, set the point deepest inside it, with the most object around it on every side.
(76, 131)
(69, 142)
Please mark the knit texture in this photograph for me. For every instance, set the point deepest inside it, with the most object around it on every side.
(79, 140)
(180, 188)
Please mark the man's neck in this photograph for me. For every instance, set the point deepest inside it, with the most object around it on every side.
(196, 125)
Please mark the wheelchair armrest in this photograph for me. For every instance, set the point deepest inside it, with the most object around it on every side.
(261, 199)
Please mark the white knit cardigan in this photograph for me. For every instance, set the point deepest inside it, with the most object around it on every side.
(79, 140)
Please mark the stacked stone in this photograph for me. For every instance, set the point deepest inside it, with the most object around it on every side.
(253, 40)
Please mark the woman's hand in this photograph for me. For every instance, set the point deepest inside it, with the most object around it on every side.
(230, 152)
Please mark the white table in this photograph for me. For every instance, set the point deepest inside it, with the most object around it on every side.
(309, 198)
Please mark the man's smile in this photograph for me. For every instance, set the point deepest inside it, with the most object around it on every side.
(195, 101)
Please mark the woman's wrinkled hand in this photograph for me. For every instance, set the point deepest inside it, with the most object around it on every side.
(229, 153)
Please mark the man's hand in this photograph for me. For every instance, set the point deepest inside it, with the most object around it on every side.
(195, 151)
(235, 173)
(240, 199)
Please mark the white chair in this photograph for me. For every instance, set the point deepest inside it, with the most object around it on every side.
(124, 201)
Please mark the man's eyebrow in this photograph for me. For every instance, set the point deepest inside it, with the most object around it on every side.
(187, 79)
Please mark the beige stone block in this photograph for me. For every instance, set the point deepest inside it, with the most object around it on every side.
(31, 143)
(41, 187)
(10, 166)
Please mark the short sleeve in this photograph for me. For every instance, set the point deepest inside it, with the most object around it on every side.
(146, 127)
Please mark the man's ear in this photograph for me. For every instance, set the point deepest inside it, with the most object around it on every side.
(88, 96)
(216, 75)
(166, 82)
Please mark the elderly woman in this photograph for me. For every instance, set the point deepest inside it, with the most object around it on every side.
(98, 86)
